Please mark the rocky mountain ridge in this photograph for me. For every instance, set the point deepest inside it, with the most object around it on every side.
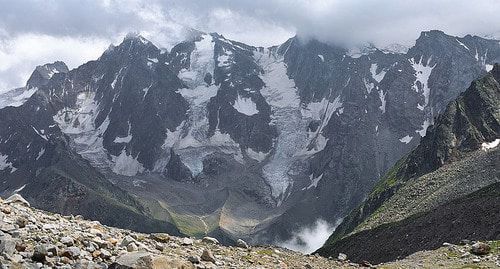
(215, 137)
(446, 189)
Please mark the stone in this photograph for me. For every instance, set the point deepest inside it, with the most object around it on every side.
(480, 248)
(71, 252)
(342, 257)
(39, 253)
(145, 260)
(21, 222)
(68, 241)
(105, 254)
(7, 244)
(160, 237)
(132, 247)
(126, 241)
(187, 241)
(16, 199)
(210, 240)
(241, 244)
(159, 246)
(6, 210)
(194, 259)
(207, 256)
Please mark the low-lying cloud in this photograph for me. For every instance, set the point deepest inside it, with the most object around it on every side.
(311, 238)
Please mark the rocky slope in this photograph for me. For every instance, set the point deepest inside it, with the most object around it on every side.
(444, 190)
(31, 238)
(215, 137)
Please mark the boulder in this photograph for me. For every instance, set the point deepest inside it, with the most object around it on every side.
(207, 256)
(145, 260)
(160, 237)
(16, 199)
(241, 244)
(210, 240)
(187, 241)
(480, 248)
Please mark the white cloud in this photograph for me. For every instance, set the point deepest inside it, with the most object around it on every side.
(20, 55)
(311, 238)
(69, 31)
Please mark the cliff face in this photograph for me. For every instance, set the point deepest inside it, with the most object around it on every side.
(453, 166)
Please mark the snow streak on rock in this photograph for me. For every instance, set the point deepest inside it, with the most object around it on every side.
(421, 85)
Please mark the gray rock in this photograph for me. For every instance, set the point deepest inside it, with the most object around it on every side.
(127, 240)
(342, 257)
(68, 241)
(187, 241)
(16, 199)
(241, 244)
(210, 240)
(194, 259)
(7, 244)
(71, 252)
(207, 256)
(132, 247)
(480, 248)
(145, 260)
(39, 253)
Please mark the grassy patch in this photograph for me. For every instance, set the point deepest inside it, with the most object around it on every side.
(390, 179)
(267, 252)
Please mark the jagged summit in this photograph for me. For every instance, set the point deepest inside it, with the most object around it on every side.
(43, 73)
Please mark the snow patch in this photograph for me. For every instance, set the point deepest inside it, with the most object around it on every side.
(126, 165)
(200, 94)
(314, 181)
(16, 97)
(425, 125)
(381, 95)
(377, 76)
(369, 85)
(407, 139)
(258, 156)
(40, 153)
(201, 62)
(245, 106)
(20, 188)
(279, 90)
(488, 67)
(490, 145)
(4, 164)
(321, 57)
(422, 73)
(462, 44)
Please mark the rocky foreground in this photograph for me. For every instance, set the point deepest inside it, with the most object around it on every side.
(31, 238)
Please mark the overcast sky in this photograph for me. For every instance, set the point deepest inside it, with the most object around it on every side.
(34, 32)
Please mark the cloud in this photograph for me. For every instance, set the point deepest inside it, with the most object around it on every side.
(256, 22)
(353, 22)
(311, 238)
(20, 55)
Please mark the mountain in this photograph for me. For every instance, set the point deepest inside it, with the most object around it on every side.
(445, 190)
(215, 137)
(32, 238)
